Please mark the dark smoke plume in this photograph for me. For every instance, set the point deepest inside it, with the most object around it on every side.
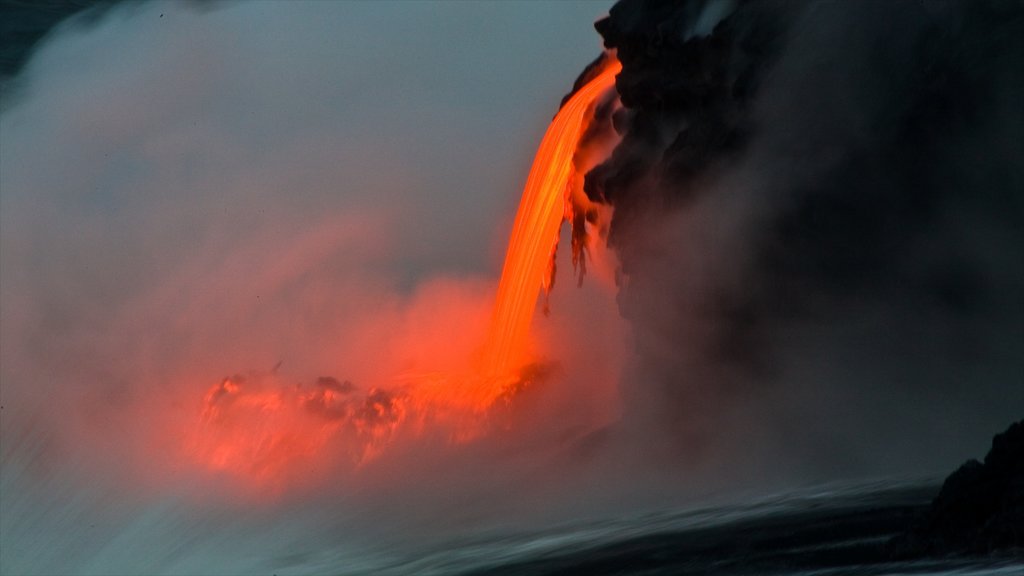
(819, 212)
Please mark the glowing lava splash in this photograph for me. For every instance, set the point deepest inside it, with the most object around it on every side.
(257, 428)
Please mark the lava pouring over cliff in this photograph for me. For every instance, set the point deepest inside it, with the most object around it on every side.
(255, 427)
(545, 204)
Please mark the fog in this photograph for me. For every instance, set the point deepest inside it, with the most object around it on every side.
(285, 191)
(819, 225)
(293, 191)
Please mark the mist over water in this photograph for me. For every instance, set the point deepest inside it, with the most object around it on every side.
(284, 192)
(818, 216)
(290, 191)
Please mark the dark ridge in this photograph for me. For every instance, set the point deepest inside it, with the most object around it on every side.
(933, 75)
(686, 99)
(980, 509)
(23, 23)
(865, 156)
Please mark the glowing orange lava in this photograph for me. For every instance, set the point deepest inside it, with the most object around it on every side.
(260, 429)
(535, 232)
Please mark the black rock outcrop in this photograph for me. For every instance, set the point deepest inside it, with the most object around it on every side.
(686, 86)
(980, 508)
(798, 180)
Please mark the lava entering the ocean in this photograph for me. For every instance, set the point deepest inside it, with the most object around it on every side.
(257, 428)
(535, 232)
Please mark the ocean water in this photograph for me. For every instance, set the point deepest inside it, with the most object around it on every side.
(829, 529)
(61, 526)
(65, 519)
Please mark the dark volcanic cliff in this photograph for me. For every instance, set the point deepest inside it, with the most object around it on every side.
(980, 508)
(686, 90)
(819, 217)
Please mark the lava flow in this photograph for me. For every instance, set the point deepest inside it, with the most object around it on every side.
(535, 233)
(256, 428)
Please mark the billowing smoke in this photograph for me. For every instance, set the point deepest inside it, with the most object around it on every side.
(294, 196)
(819, 215)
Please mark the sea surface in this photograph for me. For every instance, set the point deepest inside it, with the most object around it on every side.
(56, 527)
(824, 530)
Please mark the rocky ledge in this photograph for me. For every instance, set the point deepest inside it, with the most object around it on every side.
(980, 509)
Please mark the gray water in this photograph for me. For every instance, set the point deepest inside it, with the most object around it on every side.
(58, 525)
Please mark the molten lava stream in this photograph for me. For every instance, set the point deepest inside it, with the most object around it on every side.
(535, 232)
(258, 428)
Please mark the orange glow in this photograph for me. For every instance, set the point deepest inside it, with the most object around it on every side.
(528, 263)
(259, 429)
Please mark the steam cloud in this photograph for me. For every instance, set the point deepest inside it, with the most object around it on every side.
(818, 214)
(819, 209)
(192, 193)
